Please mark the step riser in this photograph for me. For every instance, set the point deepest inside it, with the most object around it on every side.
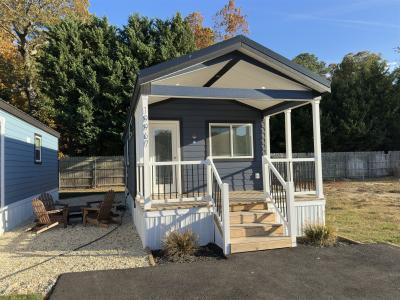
(257, 231)
(254, 218)
(247, 207)
(266, 245)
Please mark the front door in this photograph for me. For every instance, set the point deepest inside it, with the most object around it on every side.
(164, 147)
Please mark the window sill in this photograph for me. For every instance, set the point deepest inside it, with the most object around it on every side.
(228, 159)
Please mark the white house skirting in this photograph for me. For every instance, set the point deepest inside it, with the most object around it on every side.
(153, 226)
(19, 212)
(309, 212)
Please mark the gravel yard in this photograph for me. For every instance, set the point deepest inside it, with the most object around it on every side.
(24, 257)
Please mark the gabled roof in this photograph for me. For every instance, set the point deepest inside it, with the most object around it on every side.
(238, 43)
(12, 110)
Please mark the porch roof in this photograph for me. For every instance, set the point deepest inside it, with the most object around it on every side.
(237, 69)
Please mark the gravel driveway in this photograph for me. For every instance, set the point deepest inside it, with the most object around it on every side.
(24, 257)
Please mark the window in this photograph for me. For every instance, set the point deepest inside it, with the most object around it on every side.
(231, 140)
(38, 148)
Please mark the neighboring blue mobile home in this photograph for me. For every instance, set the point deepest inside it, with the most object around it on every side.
(198, 153)
(28, 164)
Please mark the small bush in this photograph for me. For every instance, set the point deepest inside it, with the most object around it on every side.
(178, 245)
(320, 235)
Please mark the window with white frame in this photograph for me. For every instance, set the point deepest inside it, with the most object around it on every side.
(38, 148)
(231, 140)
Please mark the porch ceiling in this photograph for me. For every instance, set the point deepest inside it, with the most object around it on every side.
(229, 72)
(259, 98)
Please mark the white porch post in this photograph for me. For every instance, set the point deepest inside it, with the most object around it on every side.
(226, 219)
(265, 167)
(288, 142)
(317, 147)
(144, 143)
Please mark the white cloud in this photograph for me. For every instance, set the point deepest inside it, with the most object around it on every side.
(343, 21)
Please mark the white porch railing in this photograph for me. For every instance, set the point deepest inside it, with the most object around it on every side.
(219, 196)
(281, 194)
(300, 171)
(189, 180)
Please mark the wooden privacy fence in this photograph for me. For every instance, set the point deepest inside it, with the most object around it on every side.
(92, 172)
(356, 165)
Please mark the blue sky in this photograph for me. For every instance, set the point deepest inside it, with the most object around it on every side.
(329, 29)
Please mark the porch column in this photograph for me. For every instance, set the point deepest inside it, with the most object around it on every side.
(142, 146)
(288, 142)
(317, 147)
(265, 166)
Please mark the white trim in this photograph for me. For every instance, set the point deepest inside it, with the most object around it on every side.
(177, 212)
(230, 125)
(153, 124)
(2, 133)
(17, 213)
(39, 137)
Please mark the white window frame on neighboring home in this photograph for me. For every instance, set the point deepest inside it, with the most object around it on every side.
(230, 125)
(39, 137)
(2, 133)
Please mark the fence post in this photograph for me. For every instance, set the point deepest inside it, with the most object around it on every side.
(291, 211)
(94, 173)
(225, 219)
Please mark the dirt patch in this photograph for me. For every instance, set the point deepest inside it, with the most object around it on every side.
(209, 252)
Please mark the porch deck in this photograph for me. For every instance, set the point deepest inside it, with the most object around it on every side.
(235, 197)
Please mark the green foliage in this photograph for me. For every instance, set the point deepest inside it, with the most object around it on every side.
(178, 245)
(320, 235)
(81, 73)
(88, 71)
(362, 107)
(311, 62)
(362, 112)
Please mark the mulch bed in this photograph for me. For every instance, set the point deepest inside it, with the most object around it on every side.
(340, 242)
(208, 252)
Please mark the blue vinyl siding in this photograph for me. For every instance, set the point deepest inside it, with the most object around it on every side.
(22, 177)
(194, 116)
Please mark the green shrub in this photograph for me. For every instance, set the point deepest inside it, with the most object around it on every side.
(178, 245)
(320, 235)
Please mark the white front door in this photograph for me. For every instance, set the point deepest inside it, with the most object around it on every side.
(164, 147)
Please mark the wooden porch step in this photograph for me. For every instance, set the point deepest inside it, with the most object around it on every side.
(255, 229)
(248, 206)
(252, 216)
(257, 243)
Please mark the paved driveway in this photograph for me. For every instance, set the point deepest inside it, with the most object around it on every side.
(357, 271)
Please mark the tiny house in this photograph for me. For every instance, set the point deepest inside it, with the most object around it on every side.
(28, 164)
(197, 149)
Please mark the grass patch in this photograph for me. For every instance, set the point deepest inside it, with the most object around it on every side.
(22, 297)
(366, 211)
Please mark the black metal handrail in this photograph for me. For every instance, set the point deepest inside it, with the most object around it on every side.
(278, 193)
(303, 173)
